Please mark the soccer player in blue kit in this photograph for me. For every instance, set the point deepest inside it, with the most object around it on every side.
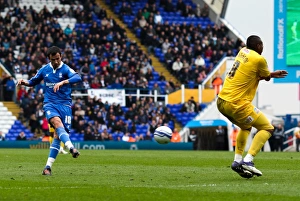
(58, 78)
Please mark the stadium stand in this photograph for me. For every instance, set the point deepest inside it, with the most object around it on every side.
(97, 47)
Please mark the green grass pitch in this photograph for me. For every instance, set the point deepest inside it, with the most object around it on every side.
(124, 175)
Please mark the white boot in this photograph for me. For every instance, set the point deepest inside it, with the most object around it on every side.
(62, 151)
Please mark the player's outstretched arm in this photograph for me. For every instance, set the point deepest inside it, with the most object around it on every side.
(279, 74)
(275, 74)
(74, 79)
(23, 82)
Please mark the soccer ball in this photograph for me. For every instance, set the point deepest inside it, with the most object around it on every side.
(163, 135)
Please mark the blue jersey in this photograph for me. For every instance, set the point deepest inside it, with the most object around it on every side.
(51, 77)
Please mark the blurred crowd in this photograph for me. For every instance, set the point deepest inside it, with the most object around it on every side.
(190, 50)
(98, 48)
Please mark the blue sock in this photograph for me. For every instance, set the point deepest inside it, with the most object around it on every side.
(54, 149)
(64, 137)
(62, 134)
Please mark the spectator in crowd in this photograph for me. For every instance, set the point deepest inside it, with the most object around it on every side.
(205, 11)
(68, 30)
(88, 134)
(175, 136)
(169, 6)
(233, 136)
(168, 88)
(197, 10)
(34, 124)
(2, 136)
(147, 137)
(165, 46)
(21, 136)
(188, 107)
(158, 19)
(278, 137)
(199, 61)
(156, 88)
(10, 87)
(177, 66)
(217, 83)
(142, 22)
(220, 138)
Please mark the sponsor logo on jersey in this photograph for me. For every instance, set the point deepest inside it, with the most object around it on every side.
(248, 120)
(256, 110)
(50, 84)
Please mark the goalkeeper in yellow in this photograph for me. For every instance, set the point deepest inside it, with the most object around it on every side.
(235, 103)
(51, 135)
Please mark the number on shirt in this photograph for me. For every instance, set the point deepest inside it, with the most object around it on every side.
(67, 119)
(233, 69)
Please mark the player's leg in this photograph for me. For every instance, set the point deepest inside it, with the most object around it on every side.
(51, 134)
(64, 136)
(228, 110)
(52, 153)
(241, 141)
(62, 123)
(265, 130)
(54, 149)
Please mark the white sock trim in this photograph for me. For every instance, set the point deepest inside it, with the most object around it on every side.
(69, 145)
(50, 161)
(248, 158)
(238, 158)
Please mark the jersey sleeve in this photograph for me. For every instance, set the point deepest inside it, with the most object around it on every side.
(73, 77)
(263, 70)
(70, 72)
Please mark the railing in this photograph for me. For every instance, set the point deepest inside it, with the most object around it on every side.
(290, 143)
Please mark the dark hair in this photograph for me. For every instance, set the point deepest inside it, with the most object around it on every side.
(253, 41)
(53, 51)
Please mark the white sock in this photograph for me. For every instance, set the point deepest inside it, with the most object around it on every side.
(238, 158)
(248, 158)
(69, 145)
(50, 161)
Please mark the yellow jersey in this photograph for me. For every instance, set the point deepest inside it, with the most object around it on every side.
(242, 80)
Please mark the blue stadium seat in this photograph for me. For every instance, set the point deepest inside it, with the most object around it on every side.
(17, 122)
(191, 84)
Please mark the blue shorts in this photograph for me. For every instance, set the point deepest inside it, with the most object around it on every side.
(64, 112)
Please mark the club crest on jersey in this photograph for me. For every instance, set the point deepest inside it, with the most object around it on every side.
(60, 75)
(248, 120)
(48, 112)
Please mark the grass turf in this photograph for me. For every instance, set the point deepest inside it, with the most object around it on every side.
(146, 175)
